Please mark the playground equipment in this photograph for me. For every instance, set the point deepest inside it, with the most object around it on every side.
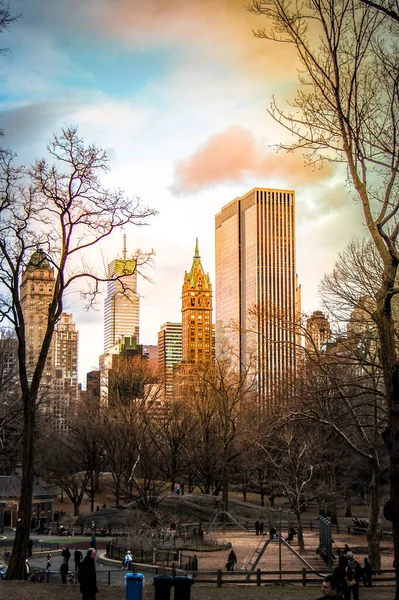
(265, 541)
(220, 516)
(325, 541)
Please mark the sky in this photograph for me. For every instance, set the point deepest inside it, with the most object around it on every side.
(177, 92)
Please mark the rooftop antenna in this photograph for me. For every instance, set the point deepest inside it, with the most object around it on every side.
(124, 246)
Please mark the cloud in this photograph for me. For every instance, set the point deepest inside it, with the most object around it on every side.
(232, 155)
(219, 31)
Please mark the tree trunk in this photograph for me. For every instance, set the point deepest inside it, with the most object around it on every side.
(244, 491)
(348, 509)
(386, 331)
(373, 537)
(16, 567)
(225, 489)
(76, 509)
(301, 541)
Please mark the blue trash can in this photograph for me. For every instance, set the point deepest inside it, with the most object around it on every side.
(183, 587)
(134, 586)
(162, 584)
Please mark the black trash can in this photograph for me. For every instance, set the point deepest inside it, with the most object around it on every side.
(162, 584)
(183, 587)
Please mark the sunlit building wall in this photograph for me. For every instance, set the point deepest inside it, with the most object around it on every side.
(122, 304)
(169, 354)
(318, 331)
(36, 292)
(196, 313)
(257, 294)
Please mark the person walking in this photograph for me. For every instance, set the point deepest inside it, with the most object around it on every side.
(87, 576)
(257, 526)
(64, 570)
(93, 542)
(367, 573)
(353, 576)
(231, 561)
(78, 557)
(48, 566)
(128, 560)
(66, 554)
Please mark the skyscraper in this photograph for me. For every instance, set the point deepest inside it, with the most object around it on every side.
(59, 385)
(318, 331)
(169, 355)
(65, 388)
(122, 304)
(196, 313)
(257, 294)
(36, 292)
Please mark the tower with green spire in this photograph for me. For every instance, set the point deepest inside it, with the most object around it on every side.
(196, 313)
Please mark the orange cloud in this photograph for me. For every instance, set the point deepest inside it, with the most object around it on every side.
(220, 29)
(232, 155)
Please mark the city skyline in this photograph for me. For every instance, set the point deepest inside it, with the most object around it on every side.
(179, 99)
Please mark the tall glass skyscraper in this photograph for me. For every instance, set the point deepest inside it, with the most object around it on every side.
(122, 304)
(257, 294)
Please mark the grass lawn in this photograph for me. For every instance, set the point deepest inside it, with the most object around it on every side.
(15, 590)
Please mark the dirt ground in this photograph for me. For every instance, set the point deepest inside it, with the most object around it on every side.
(33, 591)
(244, 545)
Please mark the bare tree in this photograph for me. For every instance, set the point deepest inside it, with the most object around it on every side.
(10, 404)
(61, 206)
(346, 109)
(6, 20)
(390, 8)
(292, 454)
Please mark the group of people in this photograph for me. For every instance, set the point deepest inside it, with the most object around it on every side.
(344, 583)
(259, 527)
(179, 489)
(85, 570)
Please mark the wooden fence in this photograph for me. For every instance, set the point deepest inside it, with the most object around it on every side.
(303, 577)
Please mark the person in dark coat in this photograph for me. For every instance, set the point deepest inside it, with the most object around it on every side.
(232, 559)
(78, 557)
(257, 527)
(87, 576)
(66, 554)
(367, 573)
(64, 571)
(353, 576)
(329, 589)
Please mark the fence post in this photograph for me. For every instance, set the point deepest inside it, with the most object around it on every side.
(180, 561)
(154, 557)
(303, 576)
(258, 577)
(109, 577)
(219, 579)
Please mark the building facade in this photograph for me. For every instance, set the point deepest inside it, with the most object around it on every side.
(36, 293)
(122, 304)
(59, 391)
(257, 293)
(65, 386)
(196, 313)
(169, 355)
(318, 332)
